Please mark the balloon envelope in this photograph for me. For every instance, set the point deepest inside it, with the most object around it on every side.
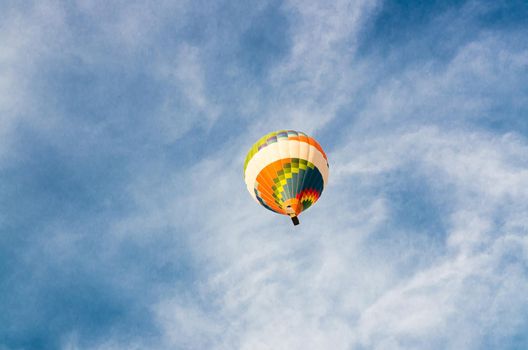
(286, 171)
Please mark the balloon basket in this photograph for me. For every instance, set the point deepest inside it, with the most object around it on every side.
(295, 220)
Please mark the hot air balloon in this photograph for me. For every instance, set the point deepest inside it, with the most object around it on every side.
(286, 171)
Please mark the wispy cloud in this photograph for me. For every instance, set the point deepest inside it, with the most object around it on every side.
(125, 222)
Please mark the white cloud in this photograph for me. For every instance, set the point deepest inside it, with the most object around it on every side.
(331, 284)
(28, 37)
(185, 326)
(336, 281)
(187, 78)
(483, 75)
(319, 74)
(131, 26)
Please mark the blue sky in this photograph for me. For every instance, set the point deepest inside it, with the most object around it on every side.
(124, 217)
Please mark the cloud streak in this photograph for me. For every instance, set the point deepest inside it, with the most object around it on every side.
(125, 222)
